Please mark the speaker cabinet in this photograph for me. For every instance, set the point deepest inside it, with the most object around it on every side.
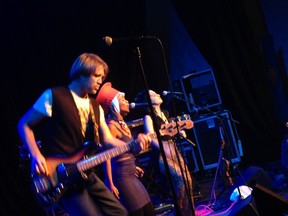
(254, 175)
(268, 202)
(200, 88)
(212, 134)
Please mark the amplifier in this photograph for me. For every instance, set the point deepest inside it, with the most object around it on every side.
(211, 134)
(200, 88)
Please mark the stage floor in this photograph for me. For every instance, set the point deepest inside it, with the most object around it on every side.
(212, 192)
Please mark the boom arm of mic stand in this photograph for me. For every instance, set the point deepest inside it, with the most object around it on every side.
(228, 118)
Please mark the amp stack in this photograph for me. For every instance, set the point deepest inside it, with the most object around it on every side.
(213, 131)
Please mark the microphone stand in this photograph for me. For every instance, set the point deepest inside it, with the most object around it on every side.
(220, 158)
(188, 140)
(190, 198)
(153, 116)
(230, 151)
(224, 138)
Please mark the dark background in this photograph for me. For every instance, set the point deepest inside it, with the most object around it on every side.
(239, 39)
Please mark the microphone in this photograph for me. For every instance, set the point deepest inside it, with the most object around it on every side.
(137, 105)
(109, 41)
(164, 93)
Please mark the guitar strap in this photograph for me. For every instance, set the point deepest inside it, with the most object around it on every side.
(91, 133)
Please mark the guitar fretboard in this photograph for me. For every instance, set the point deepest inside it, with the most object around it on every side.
(95, 160)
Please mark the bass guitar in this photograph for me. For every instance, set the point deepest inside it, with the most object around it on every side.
(64, 171)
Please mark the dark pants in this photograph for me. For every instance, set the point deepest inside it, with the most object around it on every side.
(92, 200)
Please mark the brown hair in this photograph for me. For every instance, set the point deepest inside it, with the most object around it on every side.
(86, 64)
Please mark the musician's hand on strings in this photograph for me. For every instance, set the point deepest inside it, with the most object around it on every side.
(39, 165)
(143, 142)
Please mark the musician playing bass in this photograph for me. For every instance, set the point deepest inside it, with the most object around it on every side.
(66, 117)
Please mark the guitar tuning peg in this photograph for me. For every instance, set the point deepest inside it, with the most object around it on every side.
(61, 186)
(58, 190)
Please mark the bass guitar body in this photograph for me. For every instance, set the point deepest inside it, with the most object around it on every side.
(63, 172)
